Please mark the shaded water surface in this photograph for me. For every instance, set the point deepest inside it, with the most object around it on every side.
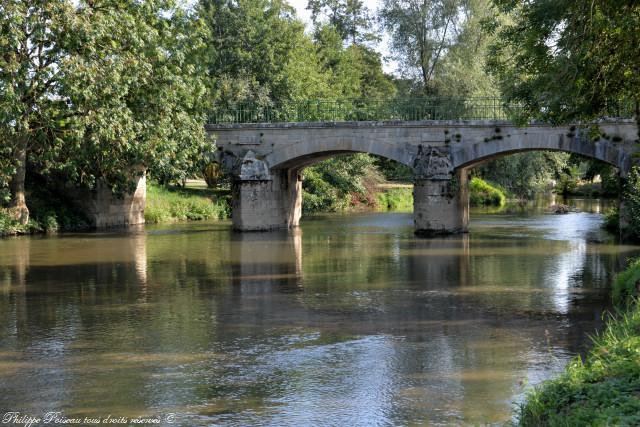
(350, 320)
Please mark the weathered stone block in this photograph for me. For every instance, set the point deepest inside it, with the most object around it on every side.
(104, 210)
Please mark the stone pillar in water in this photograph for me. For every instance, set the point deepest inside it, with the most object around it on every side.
(264, 199)
(440, 194)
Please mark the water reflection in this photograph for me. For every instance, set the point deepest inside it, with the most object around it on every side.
(349, 320)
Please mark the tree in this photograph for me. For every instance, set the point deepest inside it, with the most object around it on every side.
(34, 40)
(98, 90)
(567, 60)
(350, 18)
(249, 46)
(138, 92)
(462, 71)
(421, 33)
(525, 174)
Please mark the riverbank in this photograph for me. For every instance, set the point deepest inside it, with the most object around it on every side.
(50, 214)
(193, 202)
(604, 389)
(197, 202)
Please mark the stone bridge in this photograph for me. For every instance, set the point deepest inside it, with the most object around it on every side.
(266, 160)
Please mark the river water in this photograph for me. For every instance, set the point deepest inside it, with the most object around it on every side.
(350, 320)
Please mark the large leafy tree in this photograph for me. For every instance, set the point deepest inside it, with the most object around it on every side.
(35, 37)
(351, 19)
(98, 90)
(354, 71)
(462, 71)
(566, 59)
(422, 32)
(138, 92)
(249, 48)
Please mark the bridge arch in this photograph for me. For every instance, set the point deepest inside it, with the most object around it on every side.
(306, 153)
(470, 155)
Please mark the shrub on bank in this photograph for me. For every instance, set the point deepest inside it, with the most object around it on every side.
(180, 204)
(604, 389)
(631, 195)
(481, 193)
(612, 220)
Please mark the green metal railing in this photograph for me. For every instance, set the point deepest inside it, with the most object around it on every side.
(410, 109)
(368, 110)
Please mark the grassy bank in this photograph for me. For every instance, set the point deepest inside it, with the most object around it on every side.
(50, 213)
(170, 204)
(604, 389)
(395, 199)
(481, 193)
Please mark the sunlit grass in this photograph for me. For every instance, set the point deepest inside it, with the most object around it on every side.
(604, 389)
(180, 204)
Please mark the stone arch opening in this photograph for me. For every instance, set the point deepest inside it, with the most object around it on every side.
(471, 155)
(333, 180)
(304, 154)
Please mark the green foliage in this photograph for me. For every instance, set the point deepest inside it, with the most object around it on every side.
(567, 60)
(250, 47)
(462, 71)
(50, 213)
(350, 18)
(140, 98)
(396, 199)
(393, 171)
(100, 90)
(336, 184)
(612, 220)
(481, 193)
(631, 198)
(627, 284)
(525, 174)
(567, 180)
(603, 389)
(421, 34)
(10, 226)
(166, 204)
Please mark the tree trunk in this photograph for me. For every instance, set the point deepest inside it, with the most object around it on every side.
(18, 205)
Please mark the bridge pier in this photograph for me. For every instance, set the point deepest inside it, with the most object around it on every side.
(441, 206)
(440, 194)
(265, 200)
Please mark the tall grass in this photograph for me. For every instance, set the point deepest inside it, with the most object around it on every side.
(181, 204)
(395, 199)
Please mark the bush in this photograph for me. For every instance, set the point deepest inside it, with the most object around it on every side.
(612, 220)
(481, 193)
(339, 183)
(631, 197)
(625, 287)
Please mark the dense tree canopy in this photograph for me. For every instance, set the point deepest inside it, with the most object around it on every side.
(568, 59)
(351, 19)
(99, 90)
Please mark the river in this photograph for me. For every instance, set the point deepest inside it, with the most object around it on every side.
(349, 320)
